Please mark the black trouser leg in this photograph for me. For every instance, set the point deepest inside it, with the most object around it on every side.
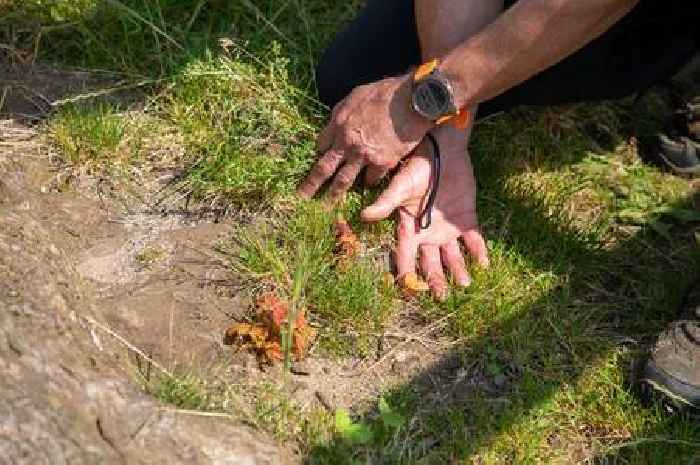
(643, 48)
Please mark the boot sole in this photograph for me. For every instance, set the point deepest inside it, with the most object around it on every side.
(674, 395)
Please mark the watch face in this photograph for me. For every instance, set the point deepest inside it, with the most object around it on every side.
(431, 98)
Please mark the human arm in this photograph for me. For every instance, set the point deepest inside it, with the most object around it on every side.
(441, 26)
(375, 126)
(527, 38)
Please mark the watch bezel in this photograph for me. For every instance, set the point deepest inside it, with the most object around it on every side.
(446, 109)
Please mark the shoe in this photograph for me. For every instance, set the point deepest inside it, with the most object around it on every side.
(671, 375)
(680, 154)
(680, 150)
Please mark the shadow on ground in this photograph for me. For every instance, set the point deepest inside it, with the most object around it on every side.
(623, 296)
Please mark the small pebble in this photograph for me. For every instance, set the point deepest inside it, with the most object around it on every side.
(301, 368)
(323, 399)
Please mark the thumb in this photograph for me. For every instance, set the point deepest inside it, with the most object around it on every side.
(391, 199)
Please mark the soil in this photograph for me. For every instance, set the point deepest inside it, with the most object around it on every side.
(73, 293)
(98, 280)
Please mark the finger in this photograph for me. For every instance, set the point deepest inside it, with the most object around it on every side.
(406, 245)
(454, 260)
(399, 191)
(431, 265)
(324, 141)
(374, 174)
(345, 177)
(476, 245)
(320, 173)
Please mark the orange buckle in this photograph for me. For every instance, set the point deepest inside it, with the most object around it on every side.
(460, 120)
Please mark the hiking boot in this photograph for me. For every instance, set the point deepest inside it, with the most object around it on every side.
(681, 154)
(680, 150)
(672, 373)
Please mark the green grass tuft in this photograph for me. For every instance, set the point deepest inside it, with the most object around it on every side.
(182, 391)
(352, 302)
(243, 131)
(89, 135)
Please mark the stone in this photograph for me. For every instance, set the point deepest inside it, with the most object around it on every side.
(63, 399)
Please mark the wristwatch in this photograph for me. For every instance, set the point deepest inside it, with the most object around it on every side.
(433, 97)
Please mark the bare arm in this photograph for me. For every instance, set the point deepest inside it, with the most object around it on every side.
(526, 39)
(375, 126)
(441, 25)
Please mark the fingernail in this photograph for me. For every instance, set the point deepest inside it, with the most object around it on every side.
(369, 214)
(464, 281)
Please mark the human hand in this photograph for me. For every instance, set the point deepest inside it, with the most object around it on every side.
(375, 127)
(453, 217)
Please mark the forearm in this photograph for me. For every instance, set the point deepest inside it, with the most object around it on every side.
(526, 39)
(444, 24)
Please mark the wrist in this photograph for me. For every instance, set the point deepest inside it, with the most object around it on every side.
(417, 123)
(464, 84)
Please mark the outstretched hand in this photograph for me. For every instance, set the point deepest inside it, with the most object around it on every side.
(453, 217)
(373, 127)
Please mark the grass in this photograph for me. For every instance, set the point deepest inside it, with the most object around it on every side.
(591, 249)
(184, 392)
(297, 249)
(150, 255)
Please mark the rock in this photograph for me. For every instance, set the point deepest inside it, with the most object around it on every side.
(64, 397)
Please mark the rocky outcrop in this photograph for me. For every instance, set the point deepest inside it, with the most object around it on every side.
(64, 397)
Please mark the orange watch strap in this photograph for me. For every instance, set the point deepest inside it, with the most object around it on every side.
(425, 69)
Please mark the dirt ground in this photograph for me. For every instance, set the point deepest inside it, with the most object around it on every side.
(70, 284)
(101, 277)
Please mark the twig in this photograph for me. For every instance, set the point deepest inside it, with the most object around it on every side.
(640, 441)
(5, 90)
(126, 343)
(411, 337)
(198, 413)
(270, 24)
(324, 401)
(136, 15)
(103, 92)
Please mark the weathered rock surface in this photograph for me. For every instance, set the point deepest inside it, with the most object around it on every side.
(64, 397)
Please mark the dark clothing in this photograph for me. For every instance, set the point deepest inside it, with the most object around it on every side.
(645, 47)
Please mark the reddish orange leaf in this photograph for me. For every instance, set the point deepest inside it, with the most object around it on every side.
(272, 311)
(412, 284)
(244, 332)
(273, 352)
(301, 341)
(347, 243)
(265, 337)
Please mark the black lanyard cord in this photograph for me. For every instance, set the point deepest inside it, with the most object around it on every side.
(425, 217)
